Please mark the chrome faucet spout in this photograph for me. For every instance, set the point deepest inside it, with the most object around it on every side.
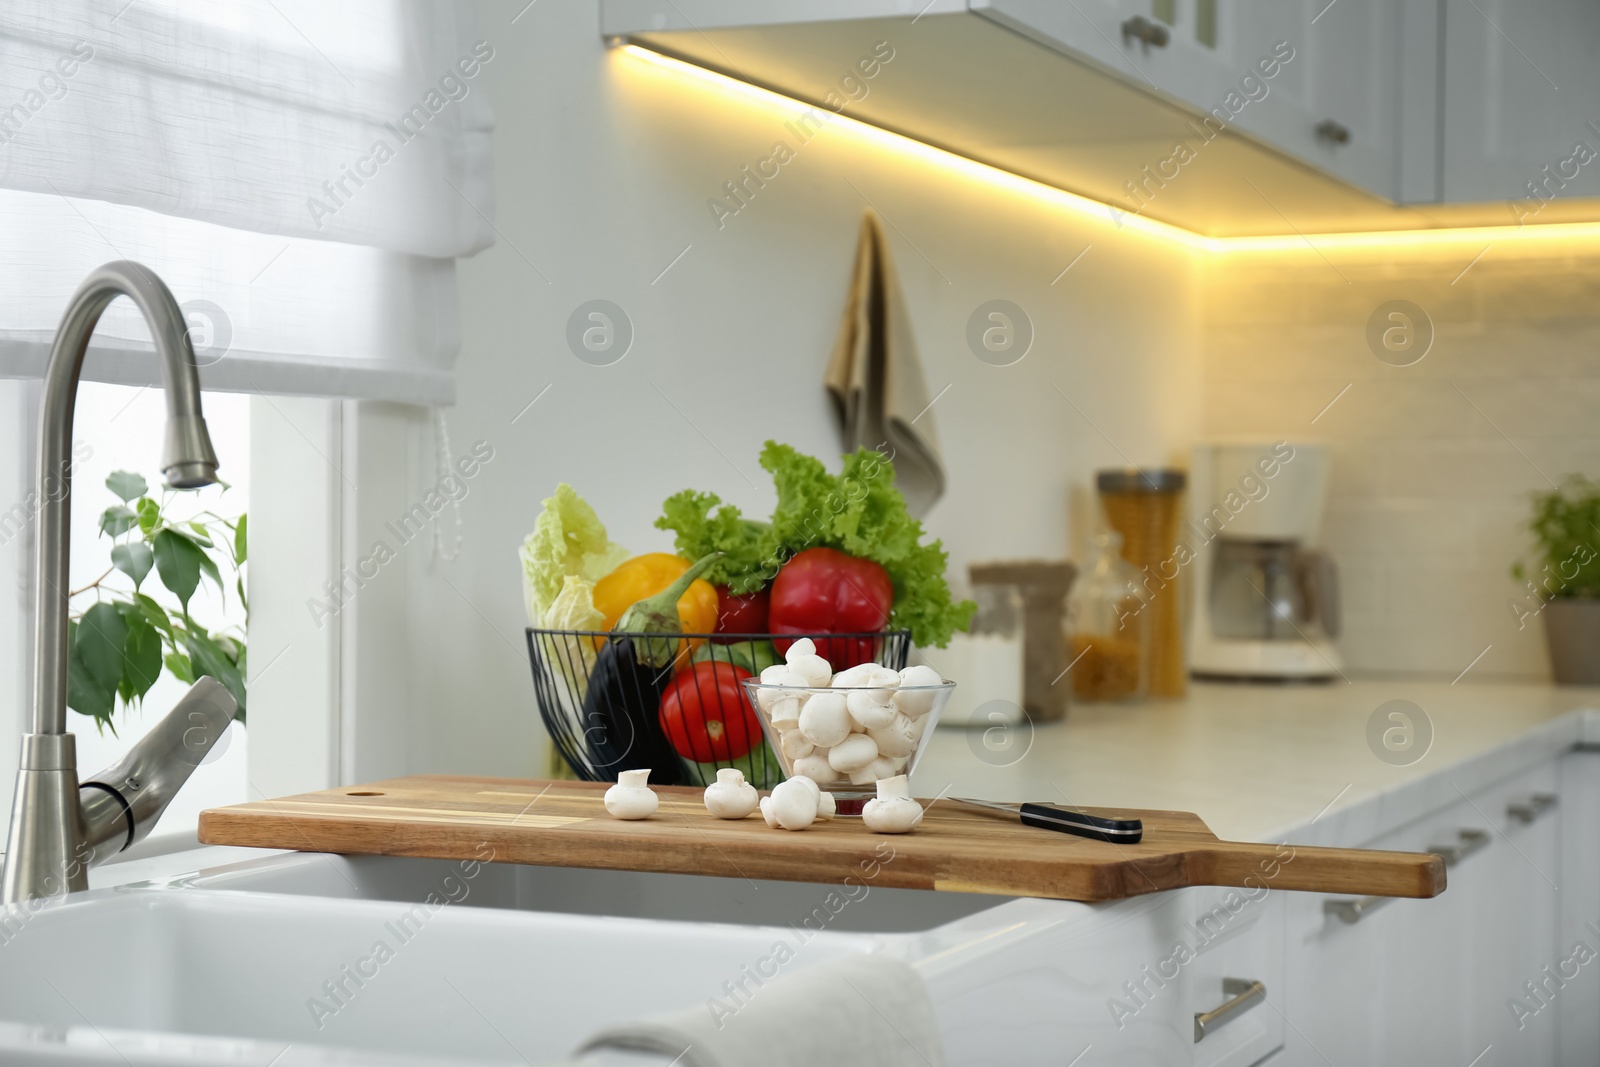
(49, 852)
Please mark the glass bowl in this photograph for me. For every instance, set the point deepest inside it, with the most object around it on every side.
(880, 731)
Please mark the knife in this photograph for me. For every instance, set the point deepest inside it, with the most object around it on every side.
(1049, 817)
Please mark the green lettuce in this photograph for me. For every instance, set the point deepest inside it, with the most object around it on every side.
(858, 511)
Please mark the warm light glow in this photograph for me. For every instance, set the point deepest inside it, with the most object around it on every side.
(1110, 216)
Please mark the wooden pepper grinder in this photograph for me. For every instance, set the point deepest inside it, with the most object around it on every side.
(1043, 586)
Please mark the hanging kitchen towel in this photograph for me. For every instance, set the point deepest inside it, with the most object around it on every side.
(859, 1009)
(875, 376)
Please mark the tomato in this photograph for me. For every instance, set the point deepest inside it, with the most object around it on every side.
(745, 614)
(706, 715)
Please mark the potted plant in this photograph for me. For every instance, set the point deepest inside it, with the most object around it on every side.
(1564, 586)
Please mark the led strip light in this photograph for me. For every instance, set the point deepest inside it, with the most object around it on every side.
(1103, 213)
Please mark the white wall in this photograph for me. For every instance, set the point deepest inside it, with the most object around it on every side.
(603, 169)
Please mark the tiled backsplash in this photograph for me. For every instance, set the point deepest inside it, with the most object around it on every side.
(1433, 463)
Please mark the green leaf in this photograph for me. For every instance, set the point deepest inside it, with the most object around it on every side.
(180, 667)
(127, 485)
(197, 533)
(85, 695)
(210, 568)
(240, 540)
(134, 560)
(101, 635)
(153, 613)
(117, 520)
(238, 584)
(149, 515)
(178, 563)
(208, 657)
(142, 652)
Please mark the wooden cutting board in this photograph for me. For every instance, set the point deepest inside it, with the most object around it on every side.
(956, 848)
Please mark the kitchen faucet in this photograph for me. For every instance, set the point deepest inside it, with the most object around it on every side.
(60, 829)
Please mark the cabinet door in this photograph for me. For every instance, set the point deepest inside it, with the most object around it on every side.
(1521, 86)
(1578, 1008)
(1432, 981)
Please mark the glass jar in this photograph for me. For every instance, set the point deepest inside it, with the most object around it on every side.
(1108, 630)
(1146, 508)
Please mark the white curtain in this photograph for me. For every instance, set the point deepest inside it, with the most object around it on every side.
(302, 174)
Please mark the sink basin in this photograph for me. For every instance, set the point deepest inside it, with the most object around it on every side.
(318, 959)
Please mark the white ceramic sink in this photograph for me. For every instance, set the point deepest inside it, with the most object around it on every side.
(311, 959)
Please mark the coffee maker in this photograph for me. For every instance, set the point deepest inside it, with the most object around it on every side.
(1266, 599)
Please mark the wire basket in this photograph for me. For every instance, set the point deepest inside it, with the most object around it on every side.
(617, 725)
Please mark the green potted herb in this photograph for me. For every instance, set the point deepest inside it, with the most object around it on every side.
(1563, 585)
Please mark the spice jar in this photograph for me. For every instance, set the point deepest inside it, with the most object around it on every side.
(1107, 628)
(1146, 508)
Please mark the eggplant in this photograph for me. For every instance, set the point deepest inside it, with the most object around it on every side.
(621, 717)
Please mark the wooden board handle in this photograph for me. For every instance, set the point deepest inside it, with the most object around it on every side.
(1355, 871)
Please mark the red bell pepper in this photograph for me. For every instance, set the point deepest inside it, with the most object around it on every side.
(825, 591)
(745, 614)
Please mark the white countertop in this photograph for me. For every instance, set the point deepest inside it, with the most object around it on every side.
(1259, 763)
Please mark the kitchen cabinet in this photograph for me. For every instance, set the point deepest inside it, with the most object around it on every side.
(1377, 114)
(1431, 982)
(1330, 101)
(1520, 87)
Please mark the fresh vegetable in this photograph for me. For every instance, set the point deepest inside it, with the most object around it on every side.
(705, 715)
(760, 766)
(858, 511)
(742, 613)
(753, 656)
(645, 576)
(568, 541)
(821, 591)
(629, 675)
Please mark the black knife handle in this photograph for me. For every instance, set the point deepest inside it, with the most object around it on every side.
(1062, 820)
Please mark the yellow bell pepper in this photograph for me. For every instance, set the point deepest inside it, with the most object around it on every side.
(646, 575)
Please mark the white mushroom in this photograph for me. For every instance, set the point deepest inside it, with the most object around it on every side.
(767, 813)
(917, 702)
(730, 796)
(802, 658)
(870, 707)
(880, 677)
(892, 811)
(794, 803)
(897, 737)
(852, 677)
(631, 798)
(802, 647)
(816, 767)
(794, 745)
(853, 753)
(826, 806)
(825, 719)
(784, 709)
(882, 767)
(778, 674)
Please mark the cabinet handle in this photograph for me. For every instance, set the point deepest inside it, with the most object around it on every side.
(1145, 32)
(1526, 811)
(1333, 132)
(1468, 842)
(1353, 911)
(1243, 994)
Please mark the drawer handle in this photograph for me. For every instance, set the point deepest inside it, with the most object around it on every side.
(1243, 994)
(1146, 32)
(1353, 911)
(1468, 842)
(1333, 132)
(1526, 811)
